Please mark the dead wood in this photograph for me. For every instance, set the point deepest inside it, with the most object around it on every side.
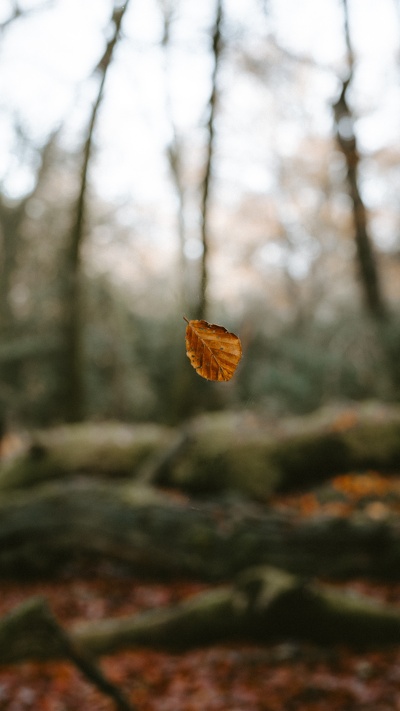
(31, 631)
(108, 449)
(217, 452)
(265, 605)
(146, 530)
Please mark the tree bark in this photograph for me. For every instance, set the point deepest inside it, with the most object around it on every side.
(201, 311)
(30, 631)
(174, 151)
(147, 531)
(217, 452)
(264, 605)
(367, 267)
(71, 366)
(111, 450)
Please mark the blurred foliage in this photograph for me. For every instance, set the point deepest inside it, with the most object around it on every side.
(282, 258)
(136, 368)
(299, 370)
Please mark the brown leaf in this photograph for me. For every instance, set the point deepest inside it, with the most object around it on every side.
(213, 352)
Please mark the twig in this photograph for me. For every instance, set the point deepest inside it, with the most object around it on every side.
(51, 641)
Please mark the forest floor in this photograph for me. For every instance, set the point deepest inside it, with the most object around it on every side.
(227, 677)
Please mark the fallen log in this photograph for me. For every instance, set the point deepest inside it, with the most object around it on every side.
(107, 449)
(239, 451)
(31, 631)
(216, 452)
(265, 605)
(147, 530)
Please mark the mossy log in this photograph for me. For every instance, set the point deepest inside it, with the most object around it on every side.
(31, 631)
(265, 605)
(217, 452)
(107, 449)
(239, 451)
(146, 530)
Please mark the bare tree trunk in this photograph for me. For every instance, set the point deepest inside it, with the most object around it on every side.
(72, 395)
(10, 221)
(10, 371)
(13, 338)
(174, 150)
(388, 332)
(205, 187)
(347, 141)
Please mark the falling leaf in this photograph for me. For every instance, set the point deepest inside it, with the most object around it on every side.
(213, 352)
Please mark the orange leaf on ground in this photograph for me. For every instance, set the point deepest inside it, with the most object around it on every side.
(370, 483)
(345, 421)
(213, 352)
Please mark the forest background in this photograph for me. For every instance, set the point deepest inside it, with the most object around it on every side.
(235, 162)
(238, 161)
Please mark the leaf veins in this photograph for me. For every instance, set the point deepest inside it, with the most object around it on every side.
(213, 352)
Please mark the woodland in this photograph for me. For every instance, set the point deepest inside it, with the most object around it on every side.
(199, 355)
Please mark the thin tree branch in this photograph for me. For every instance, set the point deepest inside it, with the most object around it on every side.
(17, 13)
(205, 187)
(49, 637)
(174, 152)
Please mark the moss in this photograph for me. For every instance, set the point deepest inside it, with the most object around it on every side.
(253, 470)
(226, 451)
(202, 537)
(341, 617)
(23, 471)
(308, 458)
(374, 444)
(105, 448)
(214, 465)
